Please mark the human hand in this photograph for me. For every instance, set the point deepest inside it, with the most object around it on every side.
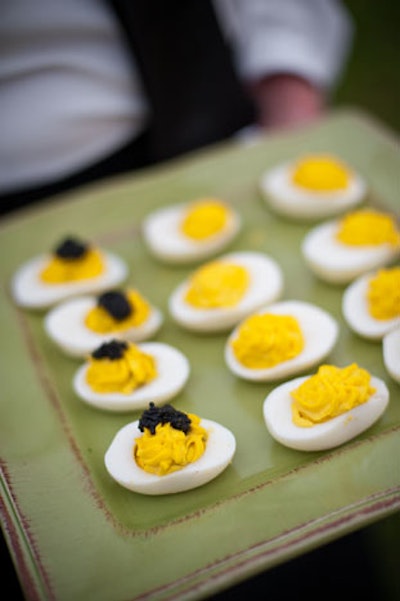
(286, 101)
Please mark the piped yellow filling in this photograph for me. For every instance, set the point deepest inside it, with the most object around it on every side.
(321, 173)
(368, 227)
(217, 284)
(101, 321)
(204, 219)
(123, 375)
(266, 340)
(169, 449)
(383, 294)
(59, 270)
(330, 392)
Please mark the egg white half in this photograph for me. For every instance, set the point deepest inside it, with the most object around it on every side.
(30, 292)
(291, 200)
(339, 263)
(65, 325)
(163, 237)
(332, 433)
(391, 353)
(320, 331)
(356, 313)
(265, 287)
(121, 466)
(173, 372)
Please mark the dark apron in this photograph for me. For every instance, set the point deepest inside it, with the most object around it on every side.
(195, 96)
(187, 71)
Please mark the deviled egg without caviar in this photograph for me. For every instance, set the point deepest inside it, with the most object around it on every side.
(371, 304)
(326, 409)
(340, 250)
(73, 268)
(280, 340)
(220, 293)
(312, 187)
(191, 231)
(391, 353)
(168, 451)
(79, 325)
(123, 376)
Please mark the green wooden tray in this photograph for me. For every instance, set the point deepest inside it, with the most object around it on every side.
(72, 531)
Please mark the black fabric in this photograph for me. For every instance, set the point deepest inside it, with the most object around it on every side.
(188, 74)
(195, 96)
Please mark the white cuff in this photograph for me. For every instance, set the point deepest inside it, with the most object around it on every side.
(309, 38)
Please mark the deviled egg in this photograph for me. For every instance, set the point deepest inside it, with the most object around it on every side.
(221, 292)
(391, 353)
(79, 325)
(280, 340)
(168, 451)
(340, 250)
(74, 267)
(191, 231)
(326, 409)
(123, 376)
(371, 304)
(313, 186)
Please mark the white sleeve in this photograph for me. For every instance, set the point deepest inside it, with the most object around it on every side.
(309, 38)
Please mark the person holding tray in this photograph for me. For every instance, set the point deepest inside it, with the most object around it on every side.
(94, 88)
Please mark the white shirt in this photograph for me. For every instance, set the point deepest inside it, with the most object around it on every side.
(70, 93)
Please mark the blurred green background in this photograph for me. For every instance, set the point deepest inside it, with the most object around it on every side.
(371, 80)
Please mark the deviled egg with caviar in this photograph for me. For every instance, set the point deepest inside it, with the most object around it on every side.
(280, 340)
(326, 409)
(123, 376)
(168, 451)
(191, 231)
(391, 353)
(221, 292)
(340, 250)
(79, 325)
(313, 186)
(371, 304)
(74, 267)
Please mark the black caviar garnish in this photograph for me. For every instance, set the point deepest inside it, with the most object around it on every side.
(71, 248)
(153, 416)
(116, 304)
(110, 350)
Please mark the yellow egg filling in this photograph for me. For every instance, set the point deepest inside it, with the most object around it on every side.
(217, 284)
(321, 174)
(205, 219)
(61, 270)
(123, 375)
(265, 340)
(101, 321)
(383, 294)
(169, 449)
(330, 392)
(368, 227)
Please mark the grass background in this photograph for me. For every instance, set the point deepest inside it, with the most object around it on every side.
(371, 80)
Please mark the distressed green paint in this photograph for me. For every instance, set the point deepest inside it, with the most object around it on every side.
(75, 534)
